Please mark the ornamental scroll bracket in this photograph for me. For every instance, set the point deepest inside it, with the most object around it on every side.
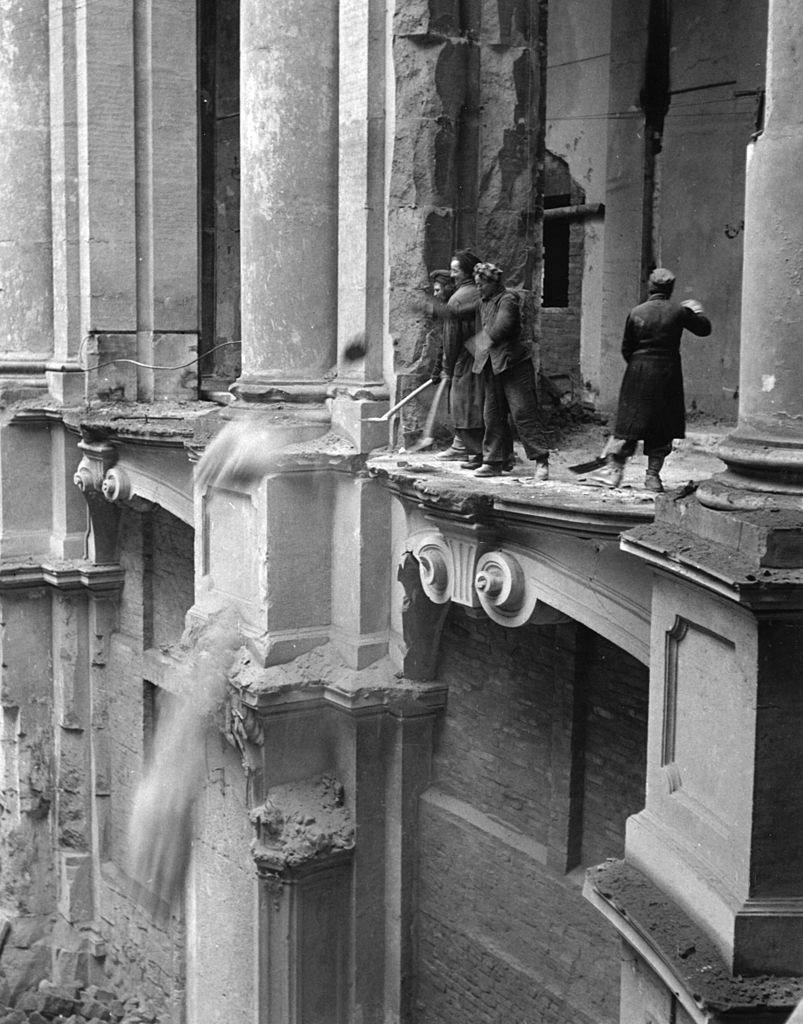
(465, 569)
(98, 459)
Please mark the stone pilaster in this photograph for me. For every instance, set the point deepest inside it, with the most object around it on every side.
(26, 291)
(765, 453)
(166, 153)
(361, 188)
(93, 190)
(289, 211)
(303, 852)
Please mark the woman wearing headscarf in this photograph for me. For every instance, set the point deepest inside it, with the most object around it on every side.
(461, 323)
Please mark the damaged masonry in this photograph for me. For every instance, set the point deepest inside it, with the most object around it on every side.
(300, 724)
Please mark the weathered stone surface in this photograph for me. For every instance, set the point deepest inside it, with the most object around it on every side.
(299, 822)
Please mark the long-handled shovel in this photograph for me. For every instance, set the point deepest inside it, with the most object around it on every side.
(395, 408)
(427, 439)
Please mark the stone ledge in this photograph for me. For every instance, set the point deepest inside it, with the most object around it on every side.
(558, 504)
(728, 572)
(62, 576)
(674, 946)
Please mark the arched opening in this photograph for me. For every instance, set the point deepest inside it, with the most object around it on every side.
(538, 761)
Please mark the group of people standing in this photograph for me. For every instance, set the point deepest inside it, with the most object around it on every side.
(487, 361)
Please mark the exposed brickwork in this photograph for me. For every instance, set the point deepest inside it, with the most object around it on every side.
(145, 943)
(172, 575)
(544, 733)
(146, 946)
(560, 326)
(504, 939)
(616, 688)
(493, 747)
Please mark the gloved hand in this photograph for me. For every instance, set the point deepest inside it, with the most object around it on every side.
(693, 305)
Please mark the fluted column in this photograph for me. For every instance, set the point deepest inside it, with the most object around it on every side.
(765, 453)
(289, 151)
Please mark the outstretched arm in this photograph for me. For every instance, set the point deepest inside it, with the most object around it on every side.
(694, 319)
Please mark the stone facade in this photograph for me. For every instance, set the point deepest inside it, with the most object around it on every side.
(296, 730)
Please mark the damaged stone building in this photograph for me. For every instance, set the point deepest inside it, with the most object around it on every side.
(353, 738)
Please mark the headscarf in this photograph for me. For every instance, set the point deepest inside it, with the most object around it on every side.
(467, 260)
(490, 271)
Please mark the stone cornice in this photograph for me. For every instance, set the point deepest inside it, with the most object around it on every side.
(557, 506)
(716, 568)
(65, 576)
(680, 953)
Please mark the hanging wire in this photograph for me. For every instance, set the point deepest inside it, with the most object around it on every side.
(136, 362)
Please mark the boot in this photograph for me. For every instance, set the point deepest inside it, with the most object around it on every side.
(541, 470)
(611, 475)
(652, 481)
(471, 462)
(452, 454)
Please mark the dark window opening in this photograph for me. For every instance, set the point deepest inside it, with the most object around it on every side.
(219, 160)
(556, 255)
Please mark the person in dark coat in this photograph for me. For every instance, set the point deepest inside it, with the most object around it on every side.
(502, 357)
(651, 405)
(460, 325)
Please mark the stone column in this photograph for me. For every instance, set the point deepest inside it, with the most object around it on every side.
(289, 212)
(26, 290)
(765, 453)
(720, 839)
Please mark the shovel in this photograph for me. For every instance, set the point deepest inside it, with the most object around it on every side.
(395, 408)
(587, 467)
(427, 439)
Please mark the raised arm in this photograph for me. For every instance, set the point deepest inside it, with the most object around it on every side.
(694, 319)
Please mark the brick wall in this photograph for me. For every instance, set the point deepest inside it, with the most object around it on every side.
(145, 942)
(560, 326)
(538, 759)
(616, 691)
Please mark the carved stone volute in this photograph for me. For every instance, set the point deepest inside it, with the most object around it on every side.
(97, 460)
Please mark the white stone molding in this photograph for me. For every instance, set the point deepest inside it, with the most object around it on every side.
(97, 460)
(503, 589)
(436, 566)
(116, 485)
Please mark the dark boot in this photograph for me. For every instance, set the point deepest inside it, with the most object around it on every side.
(652, 481)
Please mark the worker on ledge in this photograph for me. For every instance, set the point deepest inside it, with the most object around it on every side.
(651, 403)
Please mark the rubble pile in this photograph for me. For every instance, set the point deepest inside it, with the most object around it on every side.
(74, 1004)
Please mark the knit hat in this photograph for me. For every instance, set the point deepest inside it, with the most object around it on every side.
(661, 280)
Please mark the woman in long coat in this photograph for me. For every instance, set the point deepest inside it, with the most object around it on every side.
(652, 406)
(466, 393)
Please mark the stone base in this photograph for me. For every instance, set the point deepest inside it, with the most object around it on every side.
(670, 951)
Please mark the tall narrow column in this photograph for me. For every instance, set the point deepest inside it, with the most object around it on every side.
(711, 879)
(765, 453)
(289, 197)
(26, 292)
